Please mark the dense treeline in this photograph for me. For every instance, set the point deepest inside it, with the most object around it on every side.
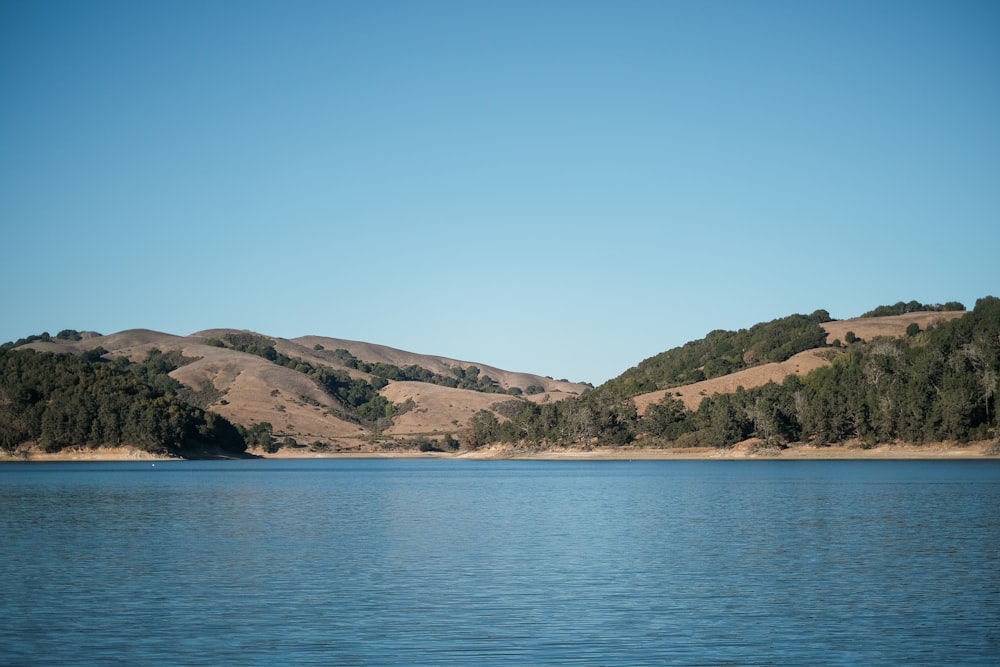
(940, 384)
(461, 378)
(64, 400)
(721, 353)
(901, 308)
(592, 416)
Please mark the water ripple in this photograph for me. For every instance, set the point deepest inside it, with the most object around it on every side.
(500, 563)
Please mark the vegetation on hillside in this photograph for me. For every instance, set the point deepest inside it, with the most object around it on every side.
(721, 353)
(461, 378)
(65, 334)
(901, 308)
(932, 385)
(935, 385)
(64, 401)
(360, 399)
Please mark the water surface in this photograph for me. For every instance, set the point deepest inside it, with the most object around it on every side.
(430, 562)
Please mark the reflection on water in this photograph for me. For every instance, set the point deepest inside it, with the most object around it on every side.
(379, 562)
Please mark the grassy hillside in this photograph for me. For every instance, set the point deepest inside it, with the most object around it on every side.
(927, 374)
(863, 329)
(721, 353)
(919, 377)
(320, 393)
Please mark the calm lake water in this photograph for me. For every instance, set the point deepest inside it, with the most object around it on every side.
(432, 562)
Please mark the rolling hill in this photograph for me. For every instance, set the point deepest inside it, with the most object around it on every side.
(248, 389)
(864, 328)
(918, 375)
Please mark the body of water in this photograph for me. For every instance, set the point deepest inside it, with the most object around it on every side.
(433, 562)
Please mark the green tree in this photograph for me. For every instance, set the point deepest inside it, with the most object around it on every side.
(666, 419)
(483, 429)
(726, 420)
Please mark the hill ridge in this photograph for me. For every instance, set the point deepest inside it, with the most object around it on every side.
(248, 389)
(802, 363)
(323, 394)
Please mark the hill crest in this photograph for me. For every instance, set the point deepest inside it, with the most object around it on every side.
(322, 394)
(864, 328)
(249, 389)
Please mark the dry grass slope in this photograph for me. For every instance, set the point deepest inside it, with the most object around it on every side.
(865, 328)
(248, 389)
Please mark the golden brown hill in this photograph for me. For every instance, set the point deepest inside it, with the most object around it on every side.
(864, 328)
(249, 389)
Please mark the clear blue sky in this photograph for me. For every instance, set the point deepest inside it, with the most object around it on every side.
(564, 188)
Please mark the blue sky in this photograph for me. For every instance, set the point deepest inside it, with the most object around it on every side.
(564, 188)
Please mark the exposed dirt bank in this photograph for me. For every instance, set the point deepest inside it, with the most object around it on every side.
(745, 450)
(100, 454)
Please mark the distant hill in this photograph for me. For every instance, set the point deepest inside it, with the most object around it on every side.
(247, 388)
(863, 328)
(928, 374)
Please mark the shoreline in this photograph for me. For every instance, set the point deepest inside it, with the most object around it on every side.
(742, 451)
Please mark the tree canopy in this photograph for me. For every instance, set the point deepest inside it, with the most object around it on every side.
(63, 401)
(722, 352)
(933, 385)
(468, 377)
(901, 308)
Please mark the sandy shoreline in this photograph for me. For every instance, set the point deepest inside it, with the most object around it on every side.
(936, 451)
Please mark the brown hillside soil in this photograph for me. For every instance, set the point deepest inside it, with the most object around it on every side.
(894, 326)
(247, 389)
(369, 352)
(865, 328)
(692, 394)
(438, 409)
